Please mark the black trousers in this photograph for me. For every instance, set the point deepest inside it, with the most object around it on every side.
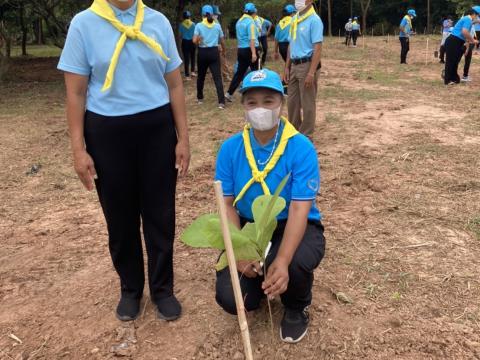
(405, 48)
(264, 44)
(135, 160)
(348, 37)
(209, 58)
(299, 292)
(442, 53)
(244, 59)
(283, 49)
(468, 50)
(454, 48)
(478, 38)
(188, 50)
(355, 34)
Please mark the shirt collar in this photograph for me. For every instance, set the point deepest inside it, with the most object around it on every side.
(131, 11)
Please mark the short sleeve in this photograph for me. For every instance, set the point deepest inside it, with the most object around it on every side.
(277, 32)
(468, 24)
(196, 32)
(220, 32)
(305, 175)
(317, 31)
(252, 31)
(171, 50)
(224, 170)
(269, 23)
(181, 30)
(74, 56)
(403, 23)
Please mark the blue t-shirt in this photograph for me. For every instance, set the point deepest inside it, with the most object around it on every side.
(210, 36)
(309, 33)
(300, 160)
(405, 23)
(187, 32)
(355, 26)
(282, 35)
(464, 23)
(139, 84)
(265, 26)
(247, 30)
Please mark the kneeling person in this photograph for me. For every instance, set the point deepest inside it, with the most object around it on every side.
(268, 150)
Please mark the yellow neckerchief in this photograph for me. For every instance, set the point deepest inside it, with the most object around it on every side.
(287, 20)
(409, 21)
(187, 23)
(207, 24)
(259, 176)
(246, 16)
(354, 22)
(297, 19)
(103, 9)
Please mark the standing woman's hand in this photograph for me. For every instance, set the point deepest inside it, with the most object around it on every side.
(85, 168)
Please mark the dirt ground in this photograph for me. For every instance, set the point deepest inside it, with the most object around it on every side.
(400, 196)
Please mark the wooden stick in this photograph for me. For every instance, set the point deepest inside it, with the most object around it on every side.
(242, 319)
(426, 53)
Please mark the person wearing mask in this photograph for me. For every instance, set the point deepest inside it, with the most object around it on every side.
(282, 32)
(271, 146)
(186, 29)
(247, 54)
(266, 27)
(454, 45)
(355, 31)
(446, 26)
(406, 30)
(468, 51)
(303, 65)
(348, 32)
(209, 36)
(129, 136)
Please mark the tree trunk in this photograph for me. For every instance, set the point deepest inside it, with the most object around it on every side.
(329, 6)
(8, 47)
(364, 4)
(429, 21)
(21, 18)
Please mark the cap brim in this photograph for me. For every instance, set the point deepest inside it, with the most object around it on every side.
(245, 89)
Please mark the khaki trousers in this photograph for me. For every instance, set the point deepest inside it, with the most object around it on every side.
(302, 98)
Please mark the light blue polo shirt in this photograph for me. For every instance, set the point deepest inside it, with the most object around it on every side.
(355, 26)
(309, 33)
(282, 36)
(246, 30)
(300, 160)
(139, 84)
(187, 33)
(464, 23)
(477, 26)
(210, 36)
(406, 25)
(265, 26)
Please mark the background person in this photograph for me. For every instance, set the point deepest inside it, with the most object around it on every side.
(348, 32)
(406, 30)
(265, 30)
(356, 32)
(209, 36)
(133, 135)
(446, 31)
(298, 244)
(186, 29)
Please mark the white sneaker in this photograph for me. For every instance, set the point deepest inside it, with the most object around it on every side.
(466, 79)
(228, 97)
(188, 78)
(194, 74)
(221, 106)
(199, 102)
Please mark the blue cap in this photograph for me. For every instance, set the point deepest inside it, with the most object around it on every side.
(264, 78)
(216, 10)
(355, 18)
(412, 12)
(250, 7)
(476, 9)
(289, 9)
(187, 14)
(207, 9)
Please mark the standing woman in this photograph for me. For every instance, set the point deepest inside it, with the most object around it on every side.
(406, 30)
(247, 56)
(355, 31)
(187, 28)
(128, 129)
(208, 36)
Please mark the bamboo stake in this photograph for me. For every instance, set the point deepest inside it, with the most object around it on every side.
(242, 319)
(426, 52)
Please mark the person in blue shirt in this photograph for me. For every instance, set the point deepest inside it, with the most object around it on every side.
(129, 136)
(266, 27)
(476, 26)
(269, 144)
(406, 30)
(355, 31)
(247, 53)
(446, 25)
(454, 45)
(303, 65)
(208, 36)
(186, 29)
(282, 32)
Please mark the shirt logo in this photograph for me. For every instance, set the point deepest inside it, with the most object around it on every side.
(313, 185)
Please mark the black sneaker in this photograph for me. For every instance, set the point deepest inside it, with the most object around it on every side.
(128, 309)
(169, 308)
(294, 325)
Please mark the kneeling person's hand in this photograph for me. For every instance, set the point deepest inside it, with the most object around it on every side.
(249, 269)
(276, 282)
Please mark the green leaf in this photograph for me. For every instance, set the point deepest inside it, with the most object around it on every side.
(247, 252)
(195, 236)
(266, 214)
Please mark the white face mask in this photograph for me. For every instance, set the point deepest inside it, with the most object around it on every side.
(263, 119)
(300, 4)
